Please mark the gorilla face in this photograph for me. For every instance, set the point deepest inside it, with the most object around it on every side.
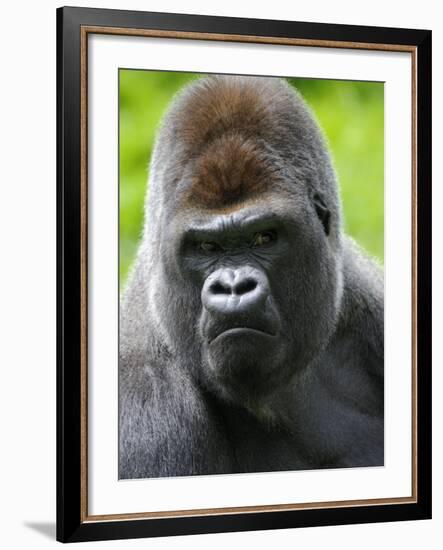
(251, 270)
(250, 238)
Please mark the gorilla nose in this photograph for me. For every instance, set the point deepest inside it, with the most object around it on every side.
(234, 291)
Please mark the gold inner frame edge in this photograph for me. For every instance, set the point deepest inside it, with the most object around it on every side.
(85, 30)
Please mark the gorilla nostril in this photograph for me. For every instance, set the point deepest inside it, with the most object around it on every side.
(245, 286)
(219, 288)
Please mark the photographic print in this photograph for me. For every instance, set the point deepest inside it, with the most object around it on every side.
(251, 275)
(244, 253)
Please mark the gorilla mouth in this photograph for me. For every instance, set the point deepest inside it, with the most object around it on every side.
(252, 326)
(243, 331)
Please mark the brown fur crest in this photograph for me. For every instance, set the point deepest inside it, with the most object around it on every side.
(225, 120)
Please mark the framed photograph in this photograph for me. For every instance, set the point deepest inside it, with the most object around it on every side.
(244, 274)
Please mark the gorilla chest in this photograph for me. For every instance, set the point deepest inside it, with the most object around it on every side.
(260, 447)
(326, 430)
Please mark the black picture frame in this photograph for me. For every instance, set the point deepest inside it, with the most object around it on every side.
(72, 523)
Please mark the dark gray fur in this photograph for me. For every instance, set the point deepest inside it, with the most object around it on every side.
(326, 410)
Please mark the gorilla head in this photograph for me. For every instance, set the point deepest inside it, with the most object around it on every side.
(242, 251)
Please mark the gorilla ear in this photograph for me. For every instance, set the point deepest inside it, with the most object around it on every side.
(322, 212)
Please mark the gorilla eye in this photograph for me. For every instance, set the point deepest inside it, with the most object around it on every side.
(208, 246)
(261, 239)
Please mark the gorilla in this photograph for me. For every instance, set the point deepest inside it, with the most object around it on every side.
(251, 328)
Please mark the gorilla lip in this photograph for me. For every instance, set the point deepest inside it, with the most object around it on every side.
(242, 330)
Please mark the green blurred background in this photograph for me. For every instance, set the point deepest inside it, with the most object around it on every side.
(350, 113)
